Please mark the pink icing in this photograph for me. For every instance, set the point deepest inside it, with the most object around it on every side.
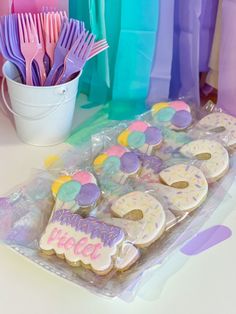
(138, 126)
(117, 151)
(69, 244)
(179, 105)
(81, 247)
(83, 177)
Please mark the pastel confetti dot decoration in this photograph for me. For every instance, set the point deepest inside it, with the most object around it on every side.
(117, 160)
(176, 114)
(141, 136)
(50, 161)
(58, 183)
(80, 188)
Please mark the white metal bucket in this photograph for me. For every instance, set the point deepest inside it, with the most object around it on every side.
(43, 115)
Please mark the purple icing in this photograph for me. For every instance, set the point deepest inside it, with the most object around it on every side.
(19, 235)
(152, 162)
(4, 202)
(88, 195)
(182, 119)
(129, 162)
(153, 135)
(108, 234)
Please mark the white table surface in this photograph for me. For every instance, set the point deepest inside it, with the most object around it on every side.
(206, 284)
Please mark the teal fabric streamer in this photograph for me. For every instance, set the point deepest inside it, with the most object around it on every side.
(113, 24)
(79, 9)
(95, 80)
(139, 20)
(100, 81)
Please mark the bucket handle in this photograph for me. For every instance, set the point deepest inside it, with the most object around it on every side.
(39, 117)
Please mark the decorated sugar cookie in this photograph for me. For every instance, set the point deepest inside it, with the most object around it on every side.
(213, 157)
(141, 136)
(118, 162)
(175, 114)
(185, 188)
(87, 241)
(79, 190)
(148, 213)
(151, 166)
(222, 125)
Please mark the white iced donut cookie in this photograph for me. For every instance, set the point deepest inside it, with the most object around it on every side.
(223, 126)
(184, 188)
(212, 156)
(148, 210)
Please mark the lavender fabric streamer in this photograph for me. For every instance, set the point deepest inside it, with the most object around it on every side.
(185, 64)
(227, 67)
(213, 74)
(207, 27)
(159, 84)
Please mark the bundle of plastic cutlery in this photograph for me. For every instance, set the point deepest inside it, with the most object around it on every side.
(47, 48)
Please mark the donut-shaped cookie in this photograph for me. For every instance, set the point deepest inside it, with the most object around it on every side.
(222, 125)
(213, 157)
(141, 136)
(152, 219)
(118, 162)
(79, 190)
(184, 188)
(175, 114)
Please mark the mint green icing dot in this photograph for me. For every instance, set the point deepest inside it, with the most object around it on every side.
(111, 164)
(69, 191)
(136, 139)
(165, 114)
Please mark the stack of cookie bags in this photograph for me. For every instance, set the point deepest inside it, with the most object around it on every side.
(113, 210)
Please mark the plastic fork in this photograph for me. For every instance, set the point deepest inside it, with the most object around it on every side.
(66, 39)
(98, 47)
(28, 43)
(39, 58)
(5, 53)
(11, 32)
(77, 56)
(51, 34)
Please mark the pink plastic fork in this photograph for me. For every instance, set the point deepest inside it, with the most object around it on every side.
(28, 43)
(39, 58)
(52, 32)
(98, 47)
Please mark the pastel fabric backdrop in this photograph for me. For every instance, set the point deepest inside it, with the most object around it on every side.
(139, 20)
(34, 6)
(213, 74)
(207, 28)
(159, 84)
(227, 67)
(185, 65)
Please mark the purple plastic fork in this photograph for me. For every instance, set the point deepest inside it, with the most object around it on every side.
(77, 56)
(7, 54)
(68, 35)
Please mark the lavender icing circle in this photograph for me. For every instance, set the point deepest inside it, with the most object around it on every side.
(129, 162)
(88, 195)
(150, 162)
(153, 136)
(182, 119)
